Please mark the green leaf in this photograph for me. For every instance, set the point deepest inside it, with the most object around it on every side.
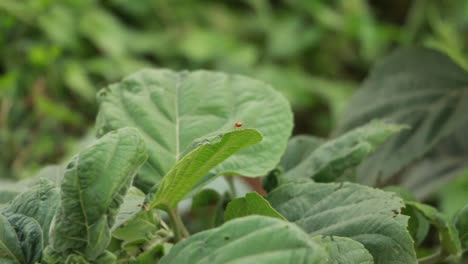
(299, 147)
(251, 204)
(418, 225)
(461, 222)
(10, 248)
(132, 204)
(330, 160)
(252, 239)
(194, 166)
(369, 216)
(418, 87)
(40, 203)
(140, 228)
(174, 109)
(29, 235)
(93, 188)
(445, 166)
(447, 232)
(343, 250)
(206, 211)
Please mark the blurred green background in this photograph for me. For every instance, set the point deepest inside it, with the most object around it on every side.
(55, 55)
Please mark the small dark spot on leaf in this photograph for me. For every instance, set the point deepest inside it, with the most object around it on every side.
(226, 238)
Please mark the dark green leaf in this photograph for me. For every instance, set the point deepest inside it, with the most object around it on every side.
(40, 203)
(10, 248)
(418, 87)
(330, 160)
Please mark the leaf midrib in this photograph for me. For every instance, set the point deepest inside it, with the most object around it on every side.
(177, 119)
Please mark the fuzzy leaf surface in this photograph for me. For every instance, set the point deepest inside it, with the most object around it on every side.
(174, 109)
(185, 175)
(249, 240)
(369, 216)
(418, 87)
(92, 190)
(251, 204)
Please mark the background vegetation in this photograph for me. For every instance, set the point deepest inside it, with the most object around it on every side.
(56, 54)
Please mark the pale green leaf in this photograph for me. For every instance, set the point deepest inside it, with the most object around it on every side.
(343, 250)
(132, 204)
(418, 87)
(369, 216)
(174, 109)
(251, 204)
(93, 188)
(330, 160)
(252, 239)
(194, 166)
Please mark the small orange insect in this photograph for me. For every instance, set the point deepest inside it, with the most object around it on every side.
(238, 124)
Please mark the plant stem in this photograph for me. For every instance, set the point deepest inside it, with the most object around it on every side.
(232, 185)
(435, 258)
(180, 231)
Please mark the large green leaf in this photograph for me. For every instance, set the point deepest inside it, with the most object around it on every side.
(343, 250)
(10, 248)
(369, 216)
(252, 239)
(330, 160)
(251, 204)
(40, 203)
(173, 109)
(418, 87)
(93, 188)
(447, 232)
(195, 165)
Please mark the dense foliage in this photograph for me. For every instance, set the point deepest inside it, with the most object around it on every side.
(56, 54)
(163, 135)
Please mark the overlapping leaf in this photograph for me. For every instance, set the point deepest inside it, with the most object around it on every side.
(251, 204)
(10, 248)
(461, 222)
(369, 216)
(418, 87)
(195, 165)
(343, 250)
(92, 190)
(39, 203)
(449, 239)
(330, 160)
(173, 109)
(21, 240)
